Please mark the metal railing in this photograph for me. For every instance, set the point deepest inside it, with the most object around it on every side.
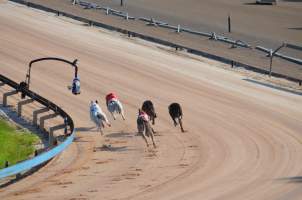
(45, 156)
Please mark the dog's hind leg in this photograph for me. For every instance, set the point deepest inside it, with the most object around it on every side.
(113, 115)
(153, 120)
(144, 137)
(120, 109)
(123, 116)
(100, 128)
(180, 123)
(152, 137)
(149, 132)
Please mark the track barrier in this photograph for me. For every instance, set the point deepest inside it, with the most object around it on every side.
(43, 157)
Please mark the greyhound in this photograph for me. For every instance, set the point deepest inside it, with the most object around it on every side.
(98, 116)
(175, 112)
(148, 108)
(144, 127)
(115, 106)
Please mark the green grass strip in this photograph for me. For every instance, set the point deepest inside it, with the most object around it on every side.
(15, 144)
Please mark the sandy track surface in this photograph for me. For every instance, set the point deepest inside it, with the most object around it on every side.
(243, 139)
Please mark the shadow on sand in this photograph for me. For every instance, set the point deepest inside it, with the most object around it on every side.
(120, 135)
(111, 148)
(256, 4)
(294, 179)
(273, 87)
(296, 28)
(84, 129)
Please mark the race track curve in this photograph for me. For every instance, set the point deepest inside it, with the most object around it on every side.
(243, 140)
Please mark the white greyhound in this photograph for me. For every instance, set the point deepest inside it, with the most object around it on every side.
(98, 116)
(115, 106)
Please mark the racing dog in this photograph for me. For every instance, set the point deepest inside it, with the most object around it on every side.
(175, 112)
(144, 127)
(148, 108)
(98, 116)
(114, 105)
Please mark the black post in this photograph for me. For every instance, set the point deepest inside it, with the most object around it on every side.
(66, 124)
(229, 23)
(36, 153)
(6, 164)
(122, 2)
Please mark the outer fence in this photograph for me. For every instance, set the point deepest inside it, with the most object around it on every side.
(45, 156)
(161, 41)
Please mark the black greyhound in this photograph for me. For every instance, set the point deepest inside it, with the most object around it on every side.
(175, 112)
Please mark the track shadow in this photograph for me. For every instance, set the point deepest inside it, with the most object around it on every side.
(84, 129)
(79, 139)
(254, 3)
(111, 148)
(296, 28)
(293, 0)
(295, 179)
(120, 135)
(257, 4)
(273, 87)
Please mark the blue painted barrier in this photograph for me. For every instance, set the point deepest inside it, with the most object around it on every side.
(28, 164)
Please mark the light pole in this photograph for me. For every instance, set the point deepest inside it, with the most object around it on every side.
(75, 83)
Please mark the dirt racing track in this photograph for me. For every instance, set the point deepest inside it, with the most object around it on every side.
(243, 139)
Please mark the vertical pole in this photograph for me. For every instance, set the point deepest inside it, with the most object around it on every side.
(122, 2)
(178, 28)
(66, 124)
(127, 16)
(271, 63)
(6, 164)
(229, 23)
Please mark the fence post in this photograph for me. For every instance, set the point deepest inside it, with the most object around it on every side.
(178, 28)
(122, 2)
(6, 95)
(66, 124)
(229, 23)
(127, 16)
(271, 62)
(21, 103)
(6, 164)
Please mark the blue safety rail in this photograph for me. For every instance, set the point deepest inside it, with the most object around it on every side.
(29, 164)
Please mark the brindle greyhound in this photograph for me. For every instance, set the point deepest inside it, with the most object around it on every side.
(175, 112)
(144, 128)
(149, 109)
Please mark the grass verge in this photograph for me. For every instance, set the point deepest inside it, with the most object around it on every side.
(15, 144)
